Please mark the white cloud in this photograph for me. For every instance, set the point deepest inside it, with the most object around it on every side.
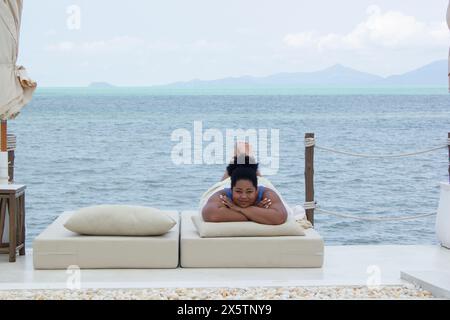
(133, 44)
(117, 44)
(388, 30)
(200, 45)
(123, 43)
(165, 46)
(62, 46)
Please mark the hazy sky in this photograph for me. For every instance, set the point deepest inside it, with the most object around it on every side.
(142, 42)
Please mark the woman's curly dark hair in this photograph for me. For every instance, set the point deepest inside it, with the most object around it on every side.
(242, 161)
(243, 167)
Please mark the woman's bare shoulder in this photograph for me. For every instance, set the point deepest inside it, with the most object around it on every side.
(216, 195)
(269, 193)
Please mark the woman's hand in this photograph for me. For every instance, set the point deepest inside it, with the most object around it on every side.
(229, 204)
(264, 203)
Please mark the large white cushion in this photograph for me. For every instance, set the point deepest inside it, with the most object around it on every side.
(248, 252)
(119, 220)
(58, 248)
(246, 228)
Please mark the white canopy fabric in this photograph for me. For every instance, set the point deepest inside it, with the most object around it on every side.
(16, 89)
(448, 23)
(448, 15)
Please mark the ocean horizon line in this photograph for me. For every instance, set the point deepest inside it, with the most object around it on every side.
(307, 90)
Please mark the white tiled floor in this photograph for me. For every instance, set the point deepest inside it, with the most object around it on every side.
(437, 282)
(344, 265)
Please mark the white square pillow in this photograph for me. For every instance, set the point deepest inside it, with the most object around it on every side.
(246, 228)
(119, 220)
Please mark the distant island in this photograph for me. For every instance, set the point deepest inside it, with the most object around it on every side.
(430, 75)
(100, 85)
(337, 76)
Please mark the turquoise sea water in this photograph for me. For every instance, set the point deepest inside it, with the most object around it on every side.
(79, 147)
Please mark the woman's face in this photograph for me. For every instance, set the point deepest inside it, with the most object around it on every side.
(244, 193)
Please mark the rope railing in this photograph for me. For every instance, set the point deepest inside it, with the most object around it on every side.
(310, 142)
(310, 204)
(313, 205)
(393, 218)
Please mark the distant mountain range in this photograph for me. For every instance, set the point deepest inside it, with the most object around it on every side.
(433, 75)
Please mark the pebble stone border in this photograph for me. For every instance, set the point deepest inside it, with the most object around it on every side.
(407, 291)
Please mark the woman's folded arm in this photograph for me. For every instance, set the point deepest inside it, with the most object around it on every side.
(276, 214)
(214, 211)
(273, 216)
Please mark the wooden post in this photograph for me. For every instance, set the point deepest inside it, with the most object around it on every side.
(11, 165)
(309, 177)
(23, 231)
(12, 228)
(2, 221)
(4, 138)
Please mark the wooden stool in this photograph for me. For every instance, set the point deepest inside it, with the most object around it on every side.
(12, 197)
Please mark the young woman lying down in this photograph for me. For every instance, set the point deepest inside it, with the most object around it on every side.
(245, 200)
